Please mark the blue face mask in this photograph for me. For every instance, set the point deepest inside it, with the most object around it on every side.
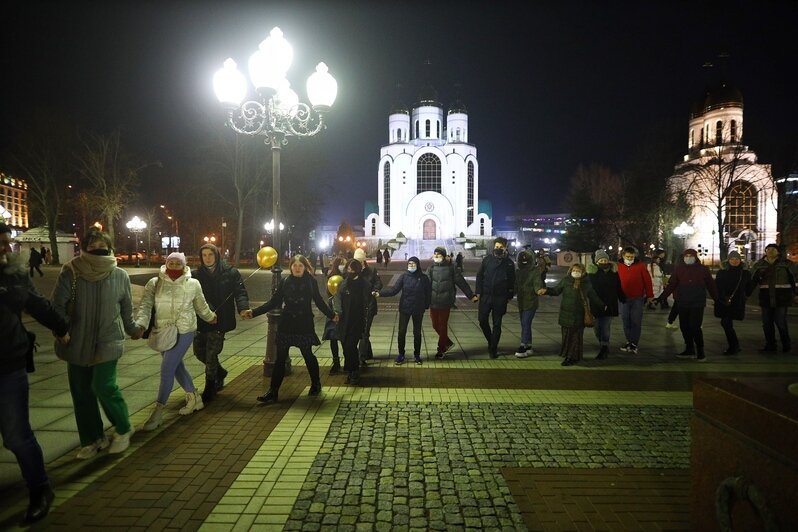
(412, 269)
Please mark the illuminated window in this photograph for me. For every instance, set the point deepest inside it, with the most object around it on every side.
(692, 138)
(741, 208)
(373, 226)
(427, 129)
(428, 173)
(733, 131)
(470, 204)
(386, 193)
(718, 133)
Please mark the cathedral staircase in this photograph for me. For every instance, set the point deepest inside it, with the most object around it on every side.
(424, 249)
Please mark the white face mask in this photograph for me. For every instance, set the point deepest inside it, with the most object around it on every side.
(576, 275)
(411, 269)
(340, 268)
(628, 262)
(437, 260)
(689, 260)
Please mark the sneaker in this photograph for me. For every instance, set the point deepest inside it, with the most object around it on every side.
(523, 351)
(91, 450)
(448, 346)
(632, 348)
(686, 355)
(269, 397)
(625, 348)
(439, 355)
(315, 389)
(671, 326)
(335, 369)
(418, 360)
(121, 442)
(193, 404)
(400, 359)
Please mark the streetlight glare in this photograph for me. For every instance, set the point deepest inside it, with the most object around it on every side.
(286, 99)
(270, 63)
(229, 84)
(322, 87)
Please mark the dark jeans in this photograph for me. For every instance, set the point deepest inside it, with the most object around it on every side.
(351, 357)
(364, 347)
(495, 307)
(279, 365)
(404, 319)
(690, 320)
(602, 329)
(731, 335)
(207, 347)
(775, 316)
(16, 431)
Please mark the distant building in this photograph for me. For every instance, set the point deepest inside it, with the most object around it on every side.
(720, 169)
(788, 213)
(14, 202)
(540, 231)
(428, 175)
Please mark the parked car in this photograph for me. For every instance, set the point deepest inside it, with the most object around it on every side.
(130, 258)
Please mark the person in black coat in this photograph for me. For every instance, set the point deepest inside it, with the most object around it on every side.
(494, 289)
(416, 294)
(18, 294)
(295, 295)
(225, 293)
(734, 286)
(604, 278)
(35, 261)
(372, 277)
(351, 304)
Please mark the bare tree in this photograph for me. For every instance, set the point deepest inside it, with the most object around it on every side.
(153, 219)
(716, 176)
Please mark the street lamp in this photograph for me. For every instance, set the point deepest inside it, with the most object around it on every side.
(209, 239)
(276, 114)
(136, 225)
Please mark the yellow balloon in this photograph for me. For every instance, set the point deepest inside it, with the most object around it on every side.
(267, 257)
(333, 282)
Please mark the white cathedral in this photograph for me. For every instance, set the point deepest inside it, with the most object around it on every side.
(428, 176)
(721, 174)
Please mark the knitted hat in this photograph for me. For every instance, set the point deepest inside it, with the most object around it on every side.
(440, 250)
(734, 255)
(690, 251)
(601, 254)
(360, 255)
(177, 256)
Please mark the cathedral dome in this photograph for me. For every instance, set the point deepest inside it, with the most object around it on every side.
(457, 106)
(428, 96)
(399, 107)
(723, 95)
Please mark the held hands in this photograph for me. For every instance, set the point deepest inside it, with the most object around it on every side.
(246, 314)
(63, 340)
(137, 334)
(542, 292)
(375, 294)
(652, 300)
(336, 318)
(214, 320)
(475, 299)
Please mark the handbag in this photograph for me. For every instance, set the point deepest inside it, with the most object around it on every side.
(163, 338)
(590, 320)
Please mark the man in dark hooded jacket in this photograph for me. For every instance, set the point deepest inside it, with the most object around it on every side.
(16, 359)
(223, 288)
(495, 287)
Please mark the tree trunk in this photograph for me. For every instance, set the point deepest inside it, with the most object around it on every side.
(53, 237)
(239, 231)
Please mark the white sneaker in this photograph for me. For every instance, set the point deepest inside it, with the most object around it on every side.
(526, 352)
(193, 403)
(671, 326)
(91, 450)
(121, 442)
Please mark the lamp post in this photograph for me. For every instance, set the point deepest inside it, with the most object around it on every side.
(275, 114)
(136, 225)
(683, 230)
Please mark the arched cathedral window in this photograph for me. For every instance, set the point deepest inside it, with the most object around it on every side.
(386, 193)
(718, 133)
(470, 204)
(416, 129)
(741, 208)
(428, 173)
(733, 131)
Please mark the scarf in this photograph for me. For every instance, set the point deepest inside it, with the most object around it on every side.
(92, 267)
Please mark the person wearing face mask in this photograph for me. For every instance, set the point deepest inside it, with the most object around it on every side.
(637, 287)
(17, 294)
(416, 294)
(445, 278)
(734, 286)
(178, 300)
(351, 308)
(95, 297)
(494, 289)
(294, 296)
(372, 277)
(777, 279)
(528, 280)
(576, 292)
(692, 280)
(603, 276)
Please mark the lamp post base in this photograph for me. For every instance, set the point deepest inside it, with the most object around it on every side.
(273, 320)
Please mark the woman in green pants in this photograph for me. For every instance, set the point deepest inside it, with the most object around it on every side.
(94, 296)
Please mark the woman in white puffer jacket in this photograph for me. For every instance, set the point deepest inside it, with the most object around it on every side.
(177, 299)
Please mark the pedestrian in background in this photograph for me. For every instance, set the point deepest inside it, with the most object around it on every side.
(603, 276)
(528, 280)
(415, 299)
(734, 286)
(35, 261)
(386, 257)
(94, 295)
(444, 281)
(177, 299)
(577, 297)
(225, 293)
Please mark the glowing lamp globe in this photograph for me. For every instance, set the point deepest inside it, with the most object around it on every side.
(229, 84)
(322, 87)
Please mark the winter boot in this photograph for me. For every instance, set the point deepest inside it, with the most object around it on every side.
(154, 421)
(220, 376)
(336, 367)
(193, 403)
(603, 352)
(269, 397)
(315, 388)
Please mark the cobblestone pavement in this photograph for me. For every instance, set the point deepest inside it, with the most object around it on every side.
(400, 466)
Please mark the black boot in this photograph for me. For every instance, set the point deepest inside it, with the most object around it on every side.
(603, 352)
(315, 388)
(269, 397)
(220, 376)
(209, 393)
(336, 367)
(40, 501)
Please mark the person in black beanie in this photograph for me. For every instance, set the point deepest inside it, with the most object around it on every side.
(18, 294)
(416, 295)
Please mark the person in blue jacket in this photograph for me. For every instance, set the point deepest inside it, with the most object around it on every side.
(415, 299)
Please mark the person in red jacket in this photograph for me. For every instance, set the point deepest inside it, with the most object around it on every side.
(636, 286)
(693, 280)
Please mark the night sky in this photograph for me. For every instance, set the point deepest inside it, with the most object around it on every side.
(547, 86)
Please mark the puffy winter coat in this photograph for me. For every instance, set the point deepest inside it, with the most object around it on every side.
(416, 292)
(17, 293)
(528, 280)
(607, 285)
(692, 281)
(776, 282)
(734, 286)
(225, 293)
(444, 280)
(496, 278)
(177, 302)
(572, 306)
(101, 315)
